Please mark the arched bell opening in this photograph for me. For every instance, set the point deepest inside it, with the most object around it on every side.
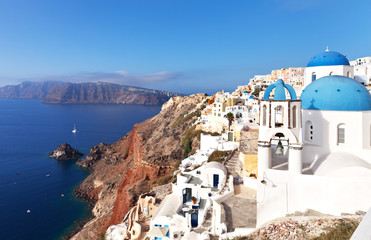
(279, 151)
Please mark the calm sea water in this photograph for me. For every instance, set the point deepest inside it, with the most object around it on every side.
(29, 180)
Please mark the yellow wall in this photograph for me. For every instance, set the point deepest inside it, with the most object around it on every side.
(250, 164)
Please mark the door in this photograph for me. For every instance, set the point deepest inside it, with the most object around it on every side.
(194, 219)
(230, 136)
(216, 180)
(187, 194)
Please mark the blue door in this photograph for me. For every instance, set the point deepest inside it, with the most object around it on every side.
(184, 192)
(216, 180)
(187, 194)
(194, 219)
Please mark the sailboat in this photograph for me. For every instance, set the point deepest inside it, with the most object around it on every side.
(74, 130)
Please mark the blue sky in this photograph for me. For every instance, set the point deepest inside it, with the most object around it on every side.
(185, 46)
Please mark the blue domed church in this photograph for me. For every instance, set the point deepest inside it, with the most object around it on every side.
(327, 63)
(315, 152)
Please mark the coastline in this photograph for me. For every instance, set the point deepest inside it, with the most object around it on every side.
(120, 172)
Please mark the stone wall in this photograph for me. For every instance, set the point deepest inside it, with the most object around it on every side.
(249, 142)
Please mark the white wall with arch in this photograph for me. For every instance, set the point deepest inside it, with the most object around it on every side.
(323, 71)
(325, 133)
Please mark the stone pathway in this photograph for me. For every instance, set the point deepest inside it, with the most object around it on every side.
(240, 210)
(233, 164)
(234, 168)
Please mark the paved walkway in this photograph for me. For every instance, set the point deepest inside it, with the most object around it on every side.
(240, 209)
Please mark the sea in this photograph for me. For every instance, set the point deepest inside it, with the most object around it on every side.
(36, 192)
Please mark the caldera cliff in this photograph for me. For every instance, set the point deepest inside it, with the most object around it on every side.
(86, 92)
(120, 172)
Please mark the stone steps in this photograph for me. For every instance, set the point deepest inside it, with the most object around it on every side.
(205, 227)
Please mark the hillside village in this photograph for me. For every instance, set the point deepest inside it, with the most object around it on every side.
(289, 149)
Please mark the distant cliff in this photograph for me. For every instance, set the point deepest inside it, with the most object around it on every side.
(70, 93)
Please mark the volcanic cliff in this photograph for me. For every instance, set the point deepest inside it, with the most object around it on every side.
(120, 172)
(87, 92)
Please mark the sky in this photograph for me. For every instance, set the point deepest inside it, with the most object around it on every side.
(185, 46)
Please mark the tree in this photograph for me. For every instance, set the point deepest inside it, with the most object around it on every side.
(230, 118)
(256, 91)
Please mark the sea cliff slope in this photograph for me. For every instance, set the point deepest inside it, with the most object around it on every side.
(87, 92)
(120, 172)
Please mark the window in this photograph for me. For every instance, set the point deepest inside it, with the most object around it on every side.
(341, 133)
(314, 77)
(264, 115)
(348, 74)
(308, 134)
(278, 112)
(294, 117)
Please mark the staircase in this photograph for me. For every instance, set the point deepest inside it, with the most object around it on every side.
(205, 227)
(233, 164)
(234, 167)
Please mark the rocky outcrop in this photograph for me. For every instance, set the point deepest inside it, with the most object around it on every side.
(70, 93)
(120, 172)
(65, 152)
(295, 228)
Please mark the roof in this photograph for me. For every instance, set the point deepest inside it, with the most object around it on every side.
(337, 93)
(168, 207)
(328, 58)
(216, 165)
(343, 164)
(279, 92)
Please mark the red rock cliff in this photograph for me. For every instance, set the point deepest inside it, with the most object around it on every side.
(120, 172)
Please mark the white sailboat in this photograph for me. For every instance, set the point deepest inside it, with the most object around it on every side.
(74, 130)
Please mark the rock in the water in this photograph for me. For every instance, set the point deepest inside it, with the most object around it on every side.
(65, 152)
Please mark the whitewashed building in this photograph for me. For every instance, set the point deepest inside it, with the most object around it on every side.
(323, 161)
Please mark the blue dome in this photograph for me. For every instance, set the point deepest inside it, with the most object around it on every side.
(328, 58)
(251, 97)
(279, 92)
(245, 92)
(336, 93)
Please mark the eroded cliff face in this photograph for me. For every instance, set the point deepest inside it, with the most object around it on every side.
(120, 172)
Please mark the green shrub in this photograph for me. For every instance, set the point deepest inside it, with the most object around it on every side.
(167, 178)
(218, 156)
(178, 120)
(101, 236)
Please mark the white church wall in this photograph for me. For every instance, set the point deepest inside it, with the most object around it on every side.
(323, 71)
(325, 133)
(285, 192)
(366, 126)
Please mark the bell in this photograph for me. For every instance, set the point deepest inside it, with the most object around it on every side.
(279, 148)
